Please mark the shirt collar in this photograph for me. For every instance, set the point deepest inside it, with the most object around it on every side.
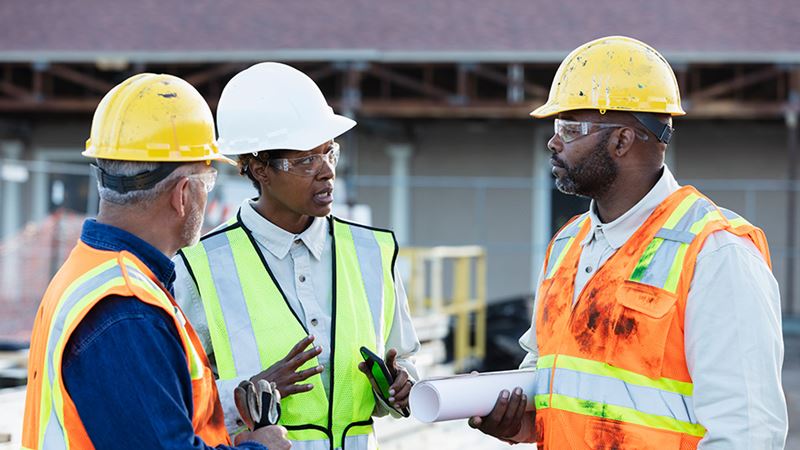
(107, 237)
(621, 229)
(279, 241)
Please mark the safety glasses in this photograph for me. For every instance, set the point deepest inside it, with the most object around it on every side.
(209, 179)
(307, 166)
(570, 130)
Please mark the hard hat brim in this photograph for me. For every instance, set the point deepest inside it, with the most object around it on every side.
(92, 152)
(332, 127)
(544, 111)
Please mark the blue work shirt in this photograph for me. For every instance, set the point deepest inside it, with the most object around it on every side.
(124, 365)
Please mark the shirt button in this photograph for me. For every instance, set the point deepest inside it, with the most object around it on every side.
(314, 322)
(589, 269)
(302, 278)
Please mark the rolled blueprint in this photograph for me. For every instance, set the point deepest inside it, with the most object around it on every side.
(464, 396)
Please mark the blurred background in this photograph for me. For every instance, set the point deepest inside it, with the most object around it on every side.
(444, 153)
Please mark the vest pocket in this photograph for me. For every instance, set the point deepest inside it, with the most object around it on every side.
(642, 319)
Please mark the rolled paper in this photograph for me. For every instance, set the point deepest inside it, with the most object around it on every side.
(468, 395)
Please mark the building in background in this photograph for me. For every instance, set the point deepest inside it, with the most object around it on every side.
(444, 153)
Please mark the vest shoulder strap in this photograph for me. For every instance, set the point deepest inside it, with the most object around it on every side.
(562, 242)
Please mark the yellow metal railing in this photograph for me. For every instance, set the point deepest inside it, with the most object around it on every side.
(451, 281)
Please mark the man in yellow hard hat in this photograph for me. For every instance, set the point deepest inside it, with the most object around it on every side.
(657, 317)
(114, 364)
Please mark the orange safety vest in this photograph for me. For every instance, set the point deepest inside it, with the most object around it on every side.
(612, 368)
(88, 276)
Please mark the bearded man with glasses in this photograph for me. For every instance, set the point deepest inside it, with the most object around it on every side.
(657, 319)
(286, 292)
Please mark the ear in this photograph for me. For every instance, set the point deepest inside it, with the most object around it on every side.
(260, 172)
(625, 140)
(179, 197)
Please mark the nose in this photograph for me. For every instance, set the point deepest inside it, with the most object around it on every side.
(554, 144)
(326, 171)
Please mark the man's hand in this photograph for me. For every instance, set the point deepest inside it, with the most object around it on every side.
(272, 436)
(401, 386)
(505, 420)
(284, 372)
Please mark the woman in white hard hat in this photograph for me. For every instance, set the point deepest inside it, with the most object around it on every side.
(284, 274)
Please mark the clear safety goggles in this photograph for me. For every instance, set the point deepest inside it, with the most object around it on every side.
(570, 130)
(209, 179)
(307, 166)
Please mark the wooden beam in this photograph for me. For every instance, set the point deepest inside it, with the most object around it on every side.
(534, 90)
(15, 91)
(408, 82)
(204, 76)
(737, 82)
(71, 105)
(82, 79)
(732, 109)
(435, 110)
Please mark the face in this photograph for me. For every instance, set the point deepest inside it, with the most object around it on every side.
(200, 184)
(583, 166)
(301, 195)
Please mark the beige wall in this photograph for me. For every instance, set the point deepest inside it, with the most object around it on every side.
(463, 153)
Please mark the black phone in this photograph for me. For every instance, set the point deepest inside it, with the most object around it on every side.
(380, 378)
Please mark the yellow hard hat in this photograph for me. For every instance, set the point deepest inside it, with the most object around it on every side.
(153, 118)
(615, 73)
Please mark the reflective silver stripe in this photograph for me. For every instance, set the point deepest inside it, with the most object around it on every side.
(697, 211)
(558, 247)
(54, 434)
(244, 347)
(728, 214)
(658, 269)
(613, 391)
(675, 235)
(79, 293)
(370, 262)
(562, 239)
(543, 381)
(573, 228)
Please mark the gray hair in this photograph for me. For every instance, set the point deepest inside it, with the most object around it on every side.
(130, 168)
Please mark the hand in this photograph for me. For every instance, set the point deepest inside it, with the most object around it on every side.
(401, 387)
(505, 420)
(284, 372)
(272, 436)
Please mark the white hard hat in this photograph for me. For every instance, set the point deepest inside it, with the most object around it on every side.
(272, 106)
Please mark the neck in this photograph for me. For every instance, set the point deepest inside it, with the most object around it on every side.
(282, 217)
(625, 193)
(145, 226)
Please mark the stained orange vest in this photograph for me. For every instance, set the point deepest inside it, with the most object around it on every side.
(612, 368)
(88, 276)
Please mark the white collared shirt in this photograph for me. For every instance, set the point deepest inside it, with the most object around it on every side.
(732, 330)
(302, 266)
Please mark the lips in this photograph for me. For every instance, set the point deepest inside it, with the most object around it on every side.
(324, 196)
(556, 163)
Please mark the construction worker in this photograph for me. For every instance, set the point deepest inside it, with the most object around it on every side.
(657, 320)
(113, 363)
(286, 292)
